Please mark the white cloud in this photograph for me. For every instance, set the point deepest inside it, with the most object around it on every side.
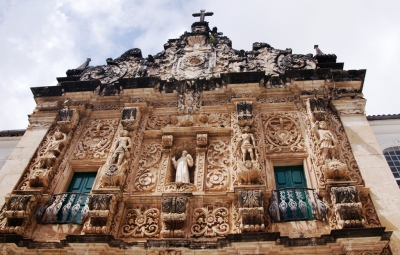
(42, 39)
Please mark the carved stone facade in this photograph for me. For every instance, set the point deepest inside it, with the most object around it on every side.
(200, 147)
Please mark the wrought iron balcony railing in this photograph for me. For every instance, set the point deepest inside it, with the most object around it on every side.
(290, 204)
(64, 208)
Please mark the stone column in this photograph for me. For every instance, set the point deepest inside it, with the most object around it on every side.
(167, 141)
(373, 166)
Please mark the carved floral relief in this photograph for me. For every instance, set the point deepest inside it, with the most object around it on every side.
(140, 221)
(210, 221)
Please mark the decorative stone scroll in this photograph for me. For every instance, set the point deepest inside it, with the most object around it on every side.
(141, 222)
(130, 118)
(114, 171)
(97, 139)
(218, 162)
(149, 165)
(210, 221)
(251, 211)
(282, 133)
(47, 159)
(173, 216)
(101, 213)
(15, 216)
(346, 207)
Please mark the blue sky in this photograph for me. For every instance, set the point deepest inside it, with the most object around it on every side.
(40, 39)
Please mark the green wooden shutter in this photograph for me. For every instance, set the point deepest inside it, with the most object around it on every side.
(291, 180)
(80, 183)
(289, 177)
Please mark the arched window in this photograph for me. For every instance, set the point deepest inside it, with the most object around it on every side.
(392, 156)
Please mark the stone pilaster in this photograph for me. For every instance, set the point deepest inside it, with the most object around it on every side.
(372, 164)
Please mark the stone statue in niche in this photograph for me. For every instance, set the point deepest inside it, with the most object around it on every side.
(114, 173)
(247, 144)
(182, 167)
(53, 149)
(122, 150)
(40, 177)
(327, 141)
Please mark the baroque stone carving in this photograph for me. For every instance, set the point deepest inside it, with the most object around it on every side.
(334, 170)
(246, 143)
(167, 141)
(48, 157)
(210, 221)
(189, 99)
(140, 222)
(212, 119)
(173, 216)
(282, 133)
(347, 207)
(248, 173)
(101, 209)
(97, 139)
(149, 164)
(218, 162)
(335, 144)
(251, 211)
(114, 171)
(202, 140)
(15, 216)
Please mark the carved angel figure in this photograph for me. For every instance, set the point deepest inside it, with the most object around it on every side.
(122, 150)
(182, 167)
(327, 142)
(247, 144)
(53, 149)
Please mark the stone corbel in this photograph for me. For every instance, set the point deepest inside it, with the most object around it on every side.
(17, 212)
(173, 216)
(251, 211)
(316, 109)
(244, 113)
(68, 119)
(347, 106)
(347, 207)
(130, 118)
(101, 213)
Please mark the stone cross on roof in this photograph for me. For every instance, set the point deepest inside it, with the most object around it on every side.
(202, 14)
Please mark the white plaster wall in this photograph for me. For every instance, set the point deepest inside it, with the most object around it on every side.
(7, 145)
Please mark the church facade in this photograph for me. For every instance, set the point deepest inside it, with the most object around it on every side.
(201, 149)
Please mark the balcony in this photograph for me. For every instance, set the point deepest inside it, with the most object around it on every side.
(293, 204)
(64, 208)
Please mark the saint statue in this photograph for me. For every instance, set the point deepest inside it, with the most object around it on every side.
(53, 149)
(247, 144)
(122, 150)
(182, 167)
(327, 142)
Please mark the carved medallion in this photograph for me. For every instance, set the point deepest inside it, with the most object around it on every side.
(282, 133)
